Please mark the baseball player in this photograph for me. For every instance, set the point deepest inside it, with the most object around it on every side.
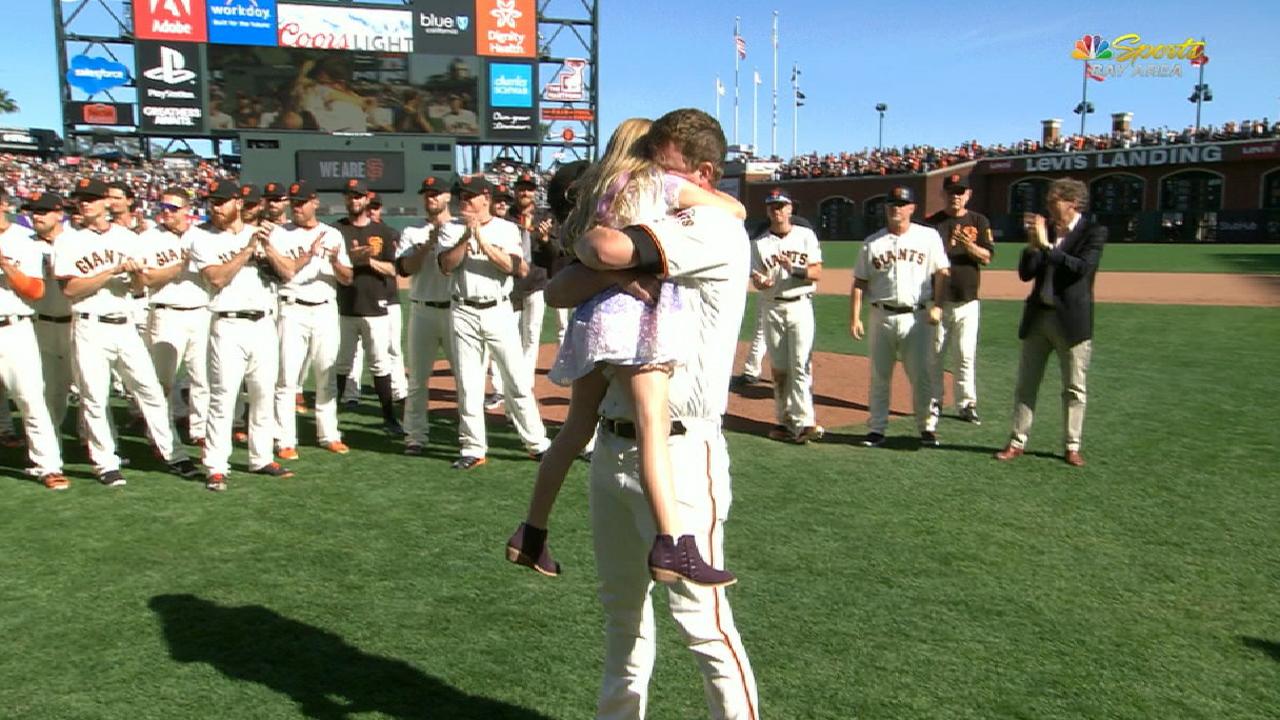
(399, 379)
(21, 282)
(275, 208)
(309, 320)
(483, 261)
(429, 294)
(754, 362)
(178, 320)
(363, 305)
(242, 271)
(966, 234)
(122, 204)
(99, 273)
(900, 269)
(500, 206)
(527, 297)
(53, 309)
(786, 262)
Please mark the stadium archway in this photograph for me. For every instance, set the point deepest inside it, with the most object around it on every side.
(1026, 195)
(1189, 205)
(1116, 202)
(873, 214)
(837, 219)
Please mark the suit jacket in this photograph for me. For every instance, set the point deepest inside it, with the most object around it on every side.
(1074, 264)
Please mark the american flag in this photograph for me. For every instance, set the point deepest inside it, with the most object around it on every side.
(742, 46)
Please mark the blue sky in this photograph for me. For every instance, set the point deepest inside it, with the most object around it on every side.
(949, 72)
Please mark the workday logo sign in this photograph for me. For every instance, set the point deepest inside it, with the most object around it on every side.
(510, 85)
(242, 22)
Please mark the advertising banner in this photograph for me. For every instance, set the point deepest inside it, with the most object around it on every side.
(170, 87)
(95, 74)
(242, 22)
(512, 112)
(345, 28)
(328, 170)
(506, 28)
(100, 113)
(568, 85)
(444, 26)
(174, 20)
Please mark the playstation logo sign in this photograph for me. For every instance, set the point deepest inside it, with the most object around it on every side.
(172, 70)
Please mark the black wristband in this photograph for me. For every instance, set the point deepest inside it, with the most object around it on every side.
(800, 272)
(649, 258)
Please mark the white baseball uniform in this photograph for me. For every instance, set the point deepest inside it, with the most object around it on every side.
(429, 297)
(53, 334)
(706, 250)
(178, 322)
(243, 347)
(899, 271)
(105, 339)
(308, 328)
(21, 353)
(481, 319)
(788, 311)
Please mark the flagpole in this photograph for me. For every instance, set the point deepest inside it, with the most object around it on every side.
(755, 110)
(795, 106)
(718, 94)
(773, 133)
(737, 56)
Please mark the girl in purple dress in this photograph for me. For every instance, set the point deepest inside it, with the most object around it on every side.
(614, 332)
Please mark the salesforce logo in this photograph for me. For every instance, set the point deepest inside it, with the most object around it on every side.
(94, 74)
(510, 85)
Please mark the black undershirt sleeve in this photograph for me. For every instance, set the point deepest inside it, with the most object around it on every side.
(649, 257)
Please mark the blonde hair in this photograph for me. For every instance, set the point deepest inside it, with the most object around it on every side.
(625, 161)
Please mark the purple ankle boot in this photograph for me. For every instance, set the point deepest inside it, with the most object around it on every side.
(671, 560)
(528, 547)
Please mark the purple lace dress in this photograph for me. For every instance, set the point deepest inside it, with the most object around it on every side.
(617, 329)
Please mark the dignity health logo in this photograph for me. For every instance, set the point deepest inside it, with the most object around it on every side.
(1125, 52)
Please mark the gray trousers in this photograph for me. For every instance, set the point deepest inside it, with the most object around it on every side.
(1045, 336)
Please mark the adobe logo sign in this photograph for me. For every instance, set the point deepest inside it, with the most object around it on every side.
(182, 20)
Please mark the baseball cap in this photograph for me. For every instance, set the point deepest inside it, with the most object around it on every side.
(89, 187)
(274, 191)
(526, 178)
(955, 184)
(502, 192)
(375, 200)
(476, 184)
(901, 195)
(777, 195)
(250, 194)
(43, 202)
(561, 195)
(301, 190)
(222, 190)
(438, 182)
(354, 186)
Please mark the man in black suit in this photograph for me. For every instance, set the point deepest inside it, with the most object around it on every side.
(1061, 260)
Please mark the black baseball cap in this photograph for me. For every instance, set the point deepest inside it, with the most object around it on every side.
(476, 184)
(43, 202)
(251, 194)
(901, 195)
(502, 192)
(438, 182)
(274, 191)
(561, 194)
(955, 184)
(526, 178)
(777, 195)
(222, 190)
(89, 187)
(375, 200)
(354, 186)
(301, 191)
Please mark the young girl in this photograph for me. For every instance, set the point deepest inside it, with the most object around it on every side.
(639, 342)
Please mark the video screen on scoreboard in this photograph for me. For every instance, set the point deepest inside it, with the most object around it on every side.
(342, 91)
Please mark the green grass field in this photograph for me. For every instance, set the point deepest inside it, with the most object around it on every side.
(889, 583)
(1263, 259)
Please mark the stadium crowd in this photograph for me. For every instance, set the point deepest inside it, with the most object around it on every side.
(25, 175)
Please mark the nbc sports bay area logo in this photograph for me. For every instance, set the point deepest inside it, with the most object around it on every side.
(1128, 56)
(510, 85)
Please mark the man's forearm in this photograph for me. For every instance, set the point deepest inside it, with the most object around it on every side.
(81, 287)
(578, 283)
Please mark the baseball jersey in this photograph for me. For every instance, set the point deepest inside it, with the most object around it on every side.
(87, 252)
(706, 250)
(801, 246)
(369, 293)
(54, 303)
(16, 245)
(314, 282)
(966, 272)
(162, 248)
(899, 269)
(477, 278)
(429, 284)
(252, 288)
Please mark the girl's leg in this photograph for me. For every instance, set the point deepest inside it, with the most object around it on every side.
(648, 385)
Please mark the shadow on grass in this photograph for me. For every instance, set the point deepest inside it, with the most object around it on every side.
(1266, 646)
(1256, 263)
(326, 676)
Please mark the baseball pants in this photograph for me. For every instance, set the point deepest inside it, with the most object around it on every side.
(308, 338)
(755, 354)
(562, 323)
(473, 331)
(789, 336)
(101, 348)
(529, 320)
(241, 350)
(6, 416)
(54, 339)
(623, 531)
(907, 336)
(26, 389)
(373, 334)
(428, 332)
(957, 336)
(181, 338)
(1046, 336)
(399, 381)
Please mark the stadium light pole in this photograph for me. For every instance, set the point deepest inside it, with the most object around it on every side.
(881, 108)
(1202, 93)
(1084, 107)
